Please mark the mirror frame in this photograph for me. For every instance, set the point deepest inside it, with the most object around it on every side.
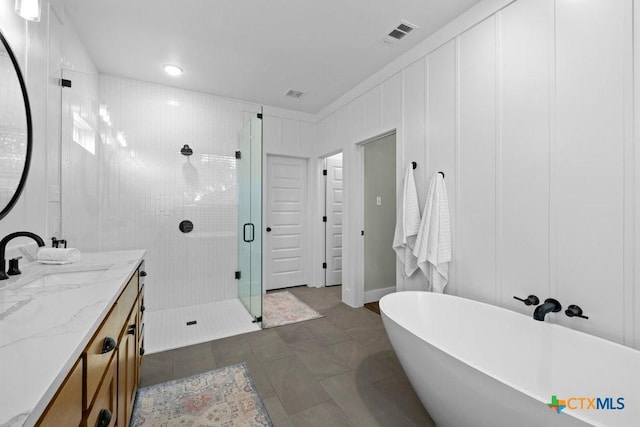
(27, 161)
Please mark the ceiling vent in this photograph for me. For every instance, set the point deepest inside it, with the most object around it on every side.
(294, 93)
(398, 33)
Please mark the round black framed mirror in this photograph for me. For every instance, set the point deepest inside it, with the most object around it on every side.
(15, 130)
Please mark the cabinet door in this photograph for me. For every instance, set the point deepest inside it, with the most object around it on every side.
(140, 337)
(132, 365)
(127, 369)
(105, 405)
(66, 407)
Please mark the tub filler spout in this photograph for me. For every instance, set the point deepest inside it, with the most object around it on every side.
(550, 306)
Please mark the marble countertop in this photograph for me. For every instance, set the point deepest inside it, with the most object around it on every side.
(44, 327)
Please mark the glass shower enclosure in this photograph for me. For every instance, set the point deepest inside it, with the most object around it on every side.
(249, 164)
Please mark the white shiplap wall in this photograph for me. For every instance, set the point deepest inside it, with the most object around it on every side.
(529, 112)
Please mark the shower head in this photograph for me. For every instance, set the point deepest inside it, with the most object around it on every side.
(186, 150)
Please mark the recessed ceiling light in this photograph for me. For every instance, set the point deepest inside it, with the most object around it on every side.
(172, 70)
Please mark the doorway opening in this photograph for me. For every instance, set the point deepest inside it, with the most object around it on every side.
(379, 217)
(332, 218)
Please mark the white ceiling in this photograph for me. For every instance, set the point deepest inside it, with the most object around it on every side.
(254, 50)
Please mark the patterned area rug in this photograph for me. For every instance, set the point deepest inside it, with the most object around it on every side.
(224, 397)
(282, 308)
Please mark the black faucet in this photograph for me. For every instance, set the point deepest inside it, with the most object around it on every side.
(550, 306)
(3, 247)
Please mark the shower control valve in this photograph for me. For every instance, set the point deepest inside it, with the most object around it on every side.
(530, 300)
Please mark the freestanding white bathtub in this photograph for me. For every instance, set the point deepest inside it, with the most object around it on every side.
(474, 364)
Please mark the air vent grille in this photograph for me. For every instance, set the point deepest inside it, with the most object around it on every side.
(294, 93)
(399, 32)
(404, 27)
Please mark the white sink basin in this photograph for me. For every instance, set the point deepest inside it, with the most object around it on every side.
(56, 276)
(71, 278)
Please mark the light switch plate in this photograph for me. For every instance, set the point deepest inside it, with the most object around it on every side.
(379, 201)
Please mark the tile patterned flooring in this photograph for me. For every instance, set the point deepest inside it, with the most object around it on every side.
(339, 370)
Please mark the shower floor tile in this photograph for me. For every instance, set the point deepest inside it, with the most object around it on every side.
(167, 329)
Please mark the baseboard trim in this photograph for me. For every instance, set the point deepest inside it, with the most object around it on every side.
(376, 294)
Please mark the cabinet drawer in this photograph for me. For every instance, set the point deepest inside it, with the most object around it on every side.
(66, 408)
(105, 404)
(128, 298)
(98, 355)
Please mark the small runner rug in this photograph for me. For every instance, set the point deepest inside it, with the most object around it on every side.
(224, 397)
(282, 308)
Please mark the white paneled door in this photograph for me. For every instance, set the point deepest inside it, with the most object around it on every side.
(286, 228)
(333, 229)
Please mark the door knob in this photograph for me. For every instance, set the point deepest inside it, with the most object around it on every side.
(268, 229)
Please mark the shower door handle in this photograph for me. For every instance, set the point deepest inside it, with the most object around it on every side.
(244, 232)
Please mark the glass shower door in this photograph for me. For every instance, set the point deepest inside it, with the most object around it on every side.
(250, 217)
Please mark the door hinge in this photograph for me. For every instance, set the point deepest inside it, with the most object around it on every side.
(238, 155)
(256, 319)
(324, 219)
(260, 115)
(324, 265)
(362, 232)
(65, 82)
(237, 275)
(324, 172)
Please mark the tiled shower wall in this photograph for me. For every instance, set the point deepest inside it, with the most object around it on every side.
(148, 187)
(144, 187)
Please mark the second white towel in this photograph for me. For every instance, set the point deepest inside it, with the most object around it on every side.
(407, 224)
(433, 244)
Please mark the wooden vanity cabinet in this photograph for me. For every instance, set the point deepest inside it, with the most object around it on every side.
(101, 388)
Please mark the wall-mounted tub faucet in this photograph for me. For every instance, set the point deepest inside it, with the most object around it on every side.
(3, 247)
(550, 306)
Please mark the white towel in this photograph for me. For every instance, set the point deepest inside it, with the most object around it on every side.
(433, 245)
(407, 224)
(58, 255)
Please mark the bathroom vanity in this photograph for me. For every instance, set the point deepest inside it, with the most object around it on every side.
(72, 341)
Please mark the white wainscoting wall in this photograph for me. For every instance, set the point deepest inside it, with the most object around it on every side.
(528, 109)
